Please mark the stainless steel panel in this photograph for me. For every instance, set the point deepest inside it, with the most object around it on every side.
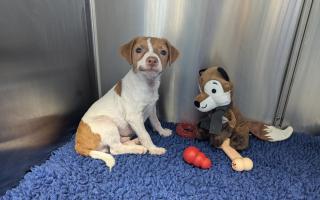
(252, 38)
(291, 68)
(46, 79)
(303, 110)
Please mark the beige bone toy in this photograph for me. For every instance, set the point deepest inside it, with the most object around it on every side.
(238, 162)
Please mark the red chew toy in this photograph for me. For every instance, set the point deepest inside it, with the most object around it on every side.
(190, 153)
(187, 130)
(195, 157)
(197, 161)
(206, 163)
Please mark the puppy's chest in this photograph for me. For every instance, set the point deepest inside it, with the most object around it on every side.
(145, 100)
(146, 107)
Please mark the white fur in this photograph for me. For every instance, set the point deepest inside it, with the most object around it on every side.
(142, 62)
(219, 98)
(114, 116)
(224, 120)
(277, 134)
(207, 104)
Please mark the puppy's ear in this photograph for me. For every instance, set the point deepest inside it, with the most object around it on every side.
(201, 71)
(223, 73)
(126, 50)
(173, 52)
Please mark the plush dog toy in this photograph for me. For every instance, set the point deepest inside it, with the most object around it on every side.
(224, 125)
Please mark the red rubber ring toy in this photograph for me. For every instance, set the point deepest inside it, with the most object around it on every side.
(187, 130)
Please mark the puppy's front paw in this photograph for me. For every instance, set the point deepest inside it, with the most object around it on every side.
(157, 150)
(165, 132)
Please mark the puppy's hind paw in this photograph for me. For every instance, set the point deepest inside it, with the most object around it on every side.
(157, 150)
(165, 132)
(140, 149)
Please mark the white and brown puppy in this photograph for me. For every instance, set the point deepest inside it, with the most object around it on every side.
(106, 127)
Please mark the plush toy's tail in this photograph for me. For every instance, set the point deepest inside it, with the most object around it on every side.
(268, 132)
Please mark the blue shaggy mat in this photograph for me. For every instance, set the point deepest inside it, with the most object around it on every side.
(283, 170)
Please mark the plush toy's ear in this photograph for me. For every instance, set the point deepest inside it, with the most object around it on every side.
(126, 50)
(223, 73)
(201, 71)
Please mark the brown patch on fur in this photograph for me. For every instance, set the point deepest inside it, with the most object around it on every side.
(160, 44)
(240, 137)
(217, 139)
(232, 118)
(202, 96)
(86, 140)
(213, 74)
(118, 88)
(126, 50)
(173, 53)
(257, 129)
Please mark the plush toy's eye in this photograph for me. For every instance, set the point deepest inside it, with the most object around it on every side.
(138, 50)
(213, 88)
(215, 92)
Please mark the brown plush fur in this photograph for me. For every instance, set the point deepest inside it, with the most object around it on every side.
(238, 128)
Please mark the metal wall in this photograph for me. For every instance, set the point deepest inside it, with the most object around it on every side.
(251, 38)
(47, 76)
(303, 108)
(46, 80)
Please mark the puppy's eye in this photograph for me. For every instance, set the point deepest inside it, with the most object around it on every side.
(163, 52)
(213, 91)
(138, 50)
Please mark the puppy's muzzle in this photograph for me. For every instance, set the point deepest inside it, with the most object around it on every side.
(152, 61)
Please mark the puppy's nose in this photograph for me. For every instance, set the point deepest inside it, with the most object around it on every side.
(152, 61)
(197, 104)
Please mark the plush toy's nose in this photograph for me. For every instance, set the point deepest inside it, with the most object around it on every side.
(197, 104)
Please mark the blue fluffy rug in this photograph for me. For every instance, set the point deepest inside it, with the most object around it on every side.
(283, 170)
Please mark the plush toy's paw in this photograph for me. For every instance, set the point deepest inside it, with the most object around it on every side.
(157, 150)
(165, 132)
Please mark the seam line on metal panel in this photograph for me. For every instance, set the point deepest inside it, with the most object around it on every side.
(292, 62)
(95, 44)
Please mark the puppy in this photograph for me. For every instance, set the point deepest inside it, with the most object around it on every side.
(108, 125)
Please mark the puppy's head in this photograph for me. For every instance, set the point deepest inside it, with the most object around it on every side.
(149, 55)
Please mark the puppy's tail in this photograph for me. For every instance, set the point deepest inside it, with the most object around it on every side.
(268, 132)
(107, 158)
